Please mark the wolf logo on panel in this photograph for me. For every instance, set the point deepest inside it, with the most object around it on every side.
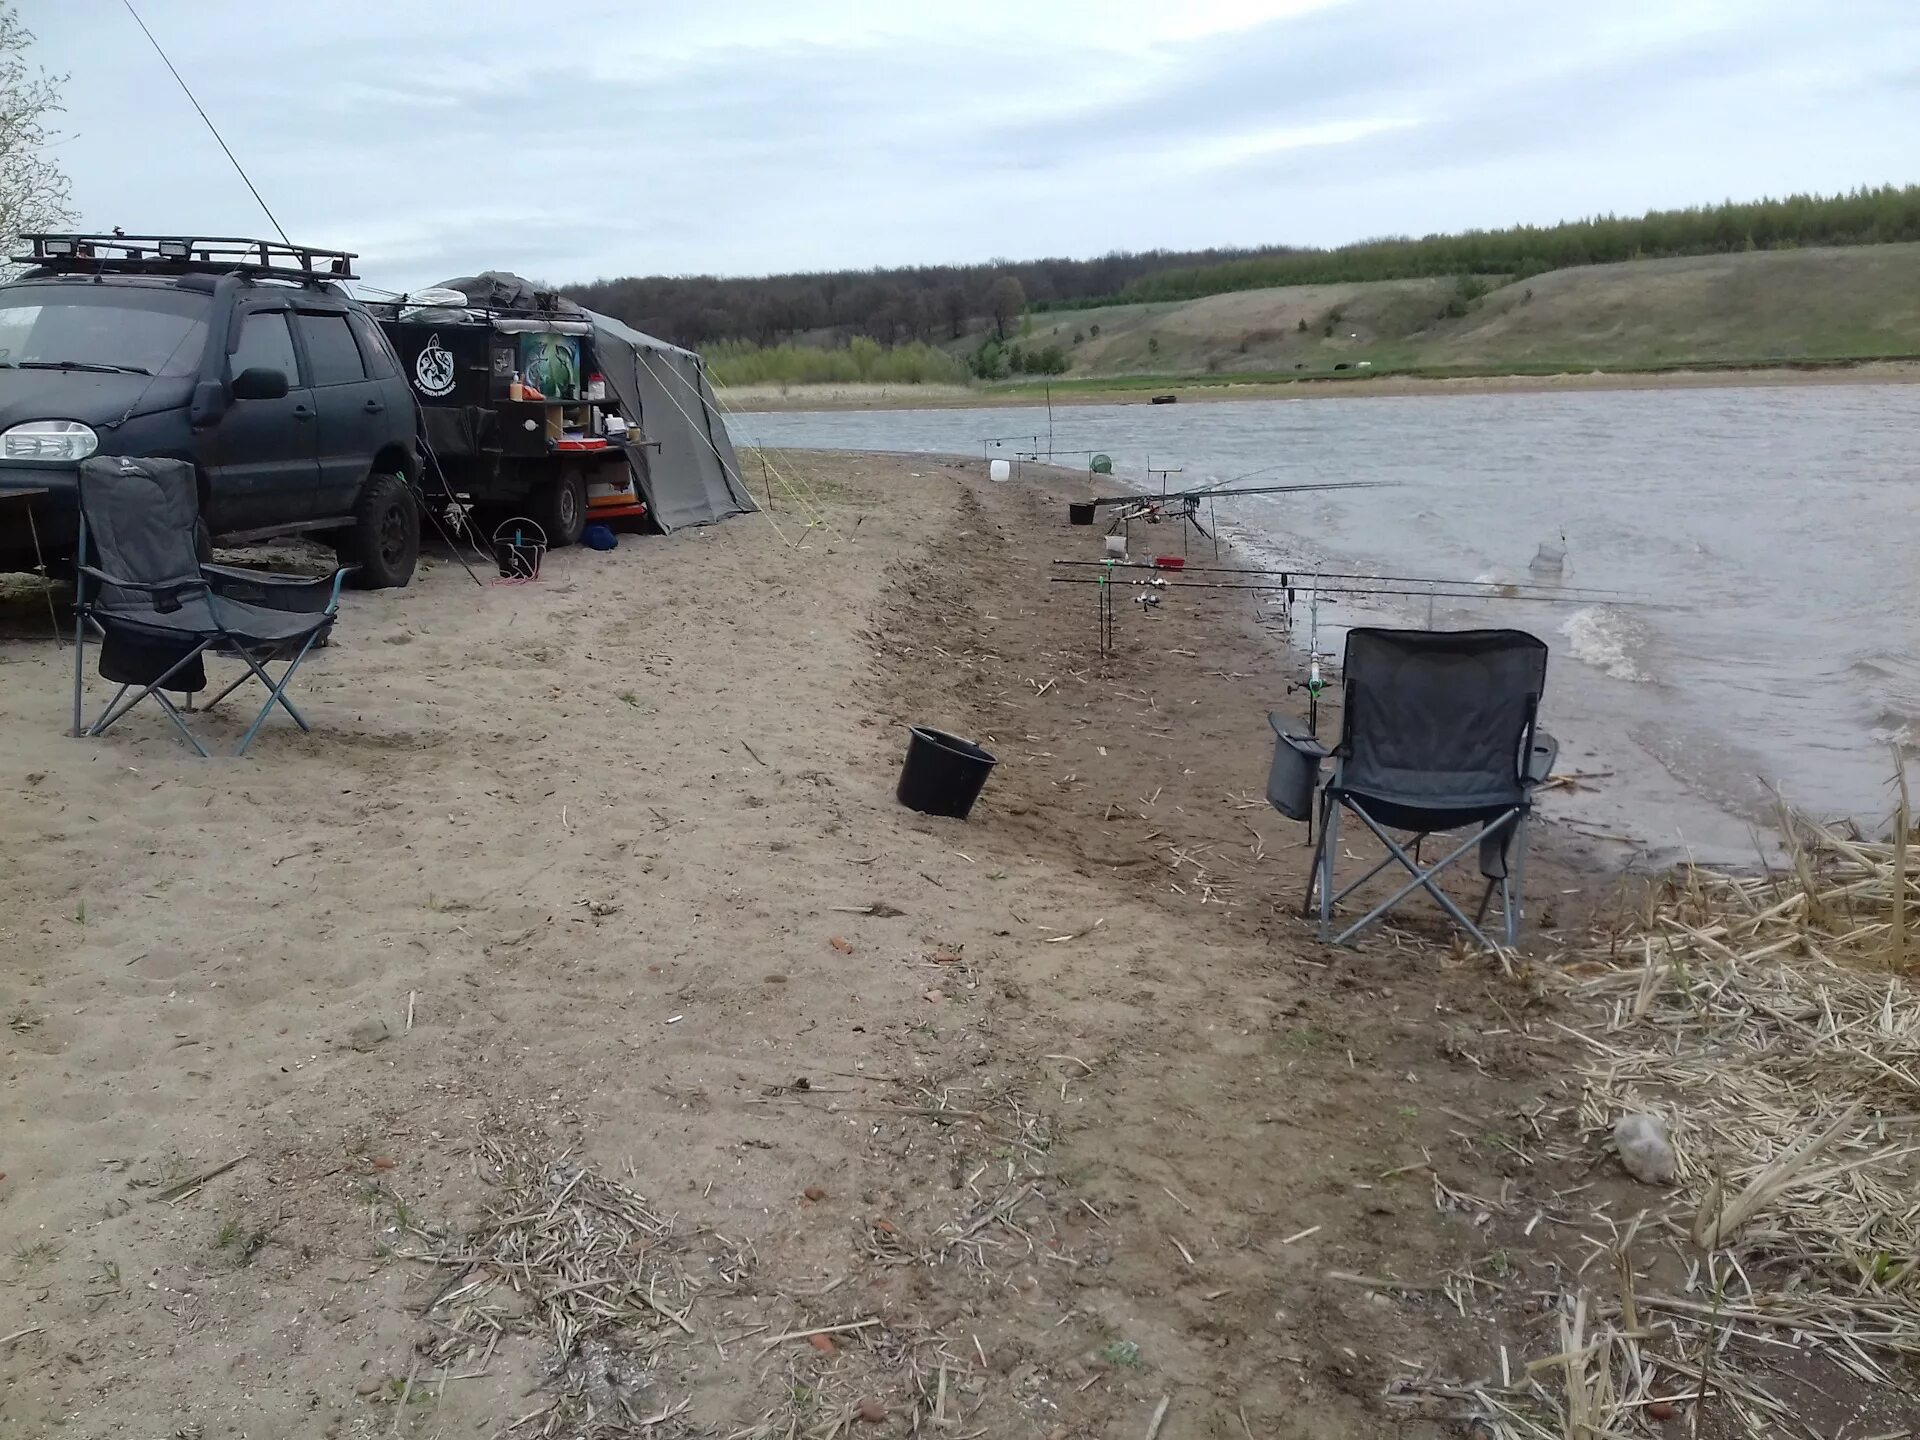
(433, 371)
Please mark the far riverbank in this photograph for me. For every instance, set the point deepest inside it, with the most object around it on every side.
(1139, 390)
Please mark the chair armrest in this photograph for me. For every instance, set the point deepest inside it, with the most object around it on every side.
(1540, 759)
(161, 593)
(293, 594)
(1306, 744)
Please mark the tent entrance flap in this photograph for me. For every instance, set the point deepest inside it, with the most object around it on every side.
(690, 474)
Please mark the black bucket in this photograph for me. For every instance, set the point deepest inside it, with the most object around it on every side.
(1079, 514)
(943, 774)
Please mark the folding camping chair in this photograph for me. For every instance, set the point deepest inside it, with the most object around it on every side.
(159, 612)
(1440, 735)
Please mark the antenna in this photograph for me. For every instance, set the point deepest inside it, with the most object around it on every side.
(203, 115)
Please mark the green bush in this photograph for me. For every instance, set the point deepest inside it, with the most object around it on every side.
(989, 362)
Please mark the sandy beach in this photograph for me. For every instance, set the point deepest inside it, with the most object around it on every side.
(572, 1036)
(1355, 387)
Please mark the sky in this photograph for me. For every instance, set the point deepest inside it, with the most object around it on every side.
(596, 138)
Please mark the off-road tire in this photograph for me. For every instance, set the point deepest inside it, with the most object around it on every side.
(385, 539)
(560, 508)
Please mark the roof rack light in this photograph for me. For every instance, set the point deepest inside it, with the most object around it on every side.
(176, 249)
(57, 247)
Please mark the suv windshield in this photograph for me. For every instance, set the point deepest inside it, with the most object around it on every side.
(103, 327)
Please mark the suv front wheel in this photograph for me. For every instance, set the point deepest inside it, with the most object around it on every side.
(385, 539)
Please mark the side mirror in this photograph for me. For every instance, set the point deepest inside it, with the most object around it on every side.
(260, 383)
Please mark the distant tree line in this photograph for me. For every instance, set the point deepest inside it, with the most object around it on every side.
(1876, 216)
(895, 307)
(935, 303)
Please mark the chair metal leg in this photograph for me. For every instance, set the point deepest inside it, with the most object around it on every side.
(108, 715)
(79, 625)
(1423, 879)
(116, 711)
(1353, 885)
(1517, 895)
(275, 694)
(1329, 852)
(79, 665)
(174, 715)
(1324, 800)
(240, 680)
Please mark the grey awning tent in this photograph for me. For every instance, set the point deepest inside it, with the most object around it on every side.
(687, 470)
(691, 475)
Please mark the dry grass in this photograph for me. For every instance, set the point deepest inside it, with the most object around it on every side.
(1768, 1020)
(586, 1263)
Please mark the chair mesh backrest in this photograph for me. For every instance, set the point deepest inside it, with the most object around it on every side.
(1437, 717)
(140, 517)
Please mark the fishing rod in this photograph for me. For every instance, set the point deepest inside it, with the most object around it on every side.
(1306, 583)
(1210, 493)
(1305, 578)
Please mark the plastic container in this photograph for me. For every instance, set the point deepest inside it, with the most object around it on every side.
(1170, 562)
(1079, 512)
(944, 774)
(999, 470)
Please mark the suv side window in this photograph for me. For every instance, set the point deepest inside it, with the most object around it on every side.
(382, 363)
(330, 349)
(266, 344)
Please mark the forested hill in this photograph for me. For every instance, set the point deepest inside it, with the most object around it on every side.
(934, 302)
(920, 302)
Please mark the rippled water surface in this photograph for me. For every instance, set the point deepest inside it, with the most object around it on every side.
(1776, 529)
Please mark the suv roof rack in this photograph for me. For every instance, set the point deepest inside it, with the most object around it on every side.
(119, 254)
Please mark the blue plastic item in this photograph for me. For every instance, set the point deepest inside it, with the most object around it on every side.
(599, 537)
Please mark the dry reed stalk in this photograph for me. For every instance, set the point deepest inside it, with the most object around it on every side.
(1767, 1019)
(606, 1280)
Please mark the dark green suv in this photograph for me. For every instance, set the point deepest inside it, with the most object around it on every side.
(245, 357)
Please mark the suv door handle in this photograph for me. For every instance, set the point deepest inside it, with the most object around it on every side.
(301, 412)
(374, 407)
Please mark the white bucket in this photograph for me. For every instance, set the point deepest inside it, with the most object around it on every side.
(999, 470)
(1117, 546)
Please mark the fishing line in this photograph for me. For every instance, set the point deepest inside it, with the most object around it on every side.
(794, 483)
(797, 489)
(203, 115)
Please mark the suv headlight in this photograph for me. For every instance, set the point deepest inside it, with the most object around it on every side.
(62, 440)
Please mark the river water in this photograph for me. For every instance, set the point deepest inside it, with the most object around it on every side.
(1774, 530)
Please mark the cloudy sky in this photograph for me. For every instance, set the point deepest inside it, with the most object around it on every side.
(593, 138)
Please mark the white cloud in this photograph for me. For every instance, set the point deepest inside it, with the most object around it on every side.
(607, 138)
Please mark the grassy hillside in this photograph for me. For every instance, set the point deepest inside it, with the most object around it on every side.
(1760, 307)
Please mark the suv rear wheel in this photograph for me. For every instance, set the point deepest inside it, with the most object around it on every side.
(560, 508)
(385, 539)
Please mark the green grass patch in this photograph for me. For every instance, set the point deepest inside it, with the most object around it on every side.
(863, 362)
